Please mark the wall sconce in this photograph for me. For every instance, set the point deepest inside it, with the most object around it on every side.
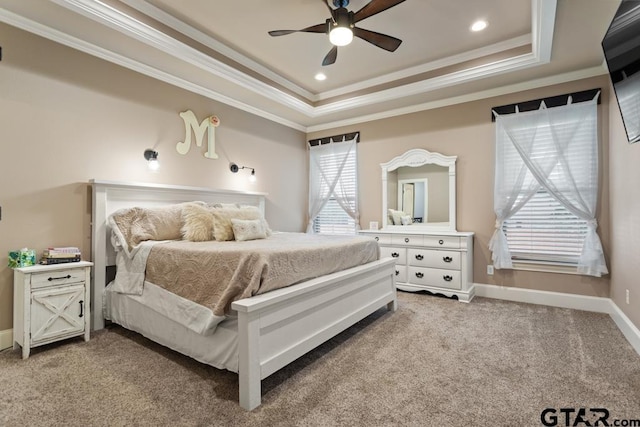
(235, 168)
(152, 159)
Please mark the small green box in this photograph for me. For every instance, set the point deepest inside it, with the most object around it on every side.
(22, 258)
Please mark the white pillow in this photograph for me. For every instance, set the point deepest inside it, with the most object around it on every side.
(406, 220)
(248, 229)
(396, 216)
(198, 223)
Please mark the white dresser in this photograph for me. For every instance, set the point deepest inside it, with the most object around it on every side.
(438, 262)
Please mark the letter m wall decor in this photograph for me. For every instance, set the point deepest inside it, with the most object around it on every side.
(209, 124)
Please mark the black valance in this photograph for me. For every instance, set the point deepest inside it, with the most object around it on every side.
(553, 101)
(335, 138)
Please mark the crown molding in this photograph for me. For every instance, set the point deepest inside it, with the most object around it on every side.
(102, 13)
(57, 36)
(197, 35)
(543, 21)
(470, 97)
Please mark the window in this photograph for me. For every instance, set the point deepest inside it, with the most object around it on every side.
(546, 186)
(544, 230)
(333, 188)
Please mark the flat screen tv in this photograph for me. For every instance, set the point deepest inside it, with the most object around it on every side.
(621, 46)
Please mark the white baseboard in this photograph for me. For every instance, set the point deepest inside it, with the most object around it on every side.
(558, 299)
(628, 329)
(6, 339)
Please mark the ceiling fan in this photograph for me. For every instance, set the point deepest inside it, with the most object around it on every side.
(341, 27)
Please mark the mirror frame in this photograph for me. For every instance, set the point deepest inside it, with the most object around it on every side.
(414, 158)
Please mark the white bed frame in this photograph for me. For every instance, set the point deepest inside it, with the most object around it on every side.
(274, 328)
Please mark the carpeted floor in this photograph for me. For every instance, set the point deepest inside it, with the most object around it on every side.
(434, 362)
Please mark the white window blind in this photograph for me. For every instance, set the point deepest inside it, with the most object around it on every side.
(544, 230)
(333, 219)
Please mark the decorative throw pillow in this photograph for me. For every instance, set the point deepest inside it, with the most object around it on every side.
(406, 220)
(134, 225)
(198, 223)
(222, 227)
(226, 205)
(397, 216)
(248, 229)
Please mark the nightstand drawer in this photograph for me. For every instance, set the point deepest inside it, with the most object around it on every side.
(57, 277)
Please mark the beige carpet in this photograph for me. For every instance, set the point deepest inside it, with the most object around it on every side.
(435, 362)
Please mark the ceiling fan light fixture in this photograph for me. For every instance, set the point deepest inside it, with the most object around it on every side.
(341, 36)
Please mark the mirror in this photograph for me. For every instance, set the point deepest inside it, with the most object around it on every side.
(420, 189)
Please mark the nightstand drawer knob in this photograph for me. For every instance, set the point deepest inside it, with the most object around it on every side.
(81, 307)
(68, 276)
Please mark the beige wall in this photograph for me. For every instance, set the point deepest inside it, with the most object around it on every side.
(68, 117)
(624, 176)
(466, 131)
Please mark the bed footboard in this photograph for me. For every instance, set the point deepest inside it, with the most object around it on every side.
(278, 327)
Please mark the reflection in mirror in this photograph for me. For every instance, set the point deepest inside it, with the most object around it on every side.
(420, 185)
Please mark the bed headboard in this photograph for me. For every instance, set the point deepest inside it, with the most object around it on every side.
(109, 196)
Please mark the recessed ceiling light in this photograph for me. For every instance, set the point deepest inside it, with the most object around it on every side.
(320, 76)
(479, 26)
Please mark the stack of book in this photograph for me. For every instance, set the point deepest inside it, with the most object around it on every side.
(61, 255)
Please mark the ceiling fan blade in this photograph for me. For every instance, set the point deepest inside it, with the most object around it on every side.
(331, 56)
(381, 40)
(320, 28)
(374, 7)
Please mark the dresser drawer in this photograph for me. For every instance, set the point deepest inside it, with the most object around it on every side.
(440, 278)
(435, 259)
(401, 273)
(399, 254)
(383, 239)
(57, 278)
(442, 242)
(407, 240)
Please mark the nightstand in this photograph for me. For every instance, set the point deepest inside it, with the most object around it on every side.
(50, 303)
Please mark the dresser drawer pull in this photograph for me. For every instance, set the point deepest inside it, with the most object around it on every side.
(377, 238)
(419, 275)
(397, 273)
(68, 276)
(447, 278)
(419, 257)
(447, 259)
(395, 255)
(441, 242)
(81, 307)
(406, 240)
